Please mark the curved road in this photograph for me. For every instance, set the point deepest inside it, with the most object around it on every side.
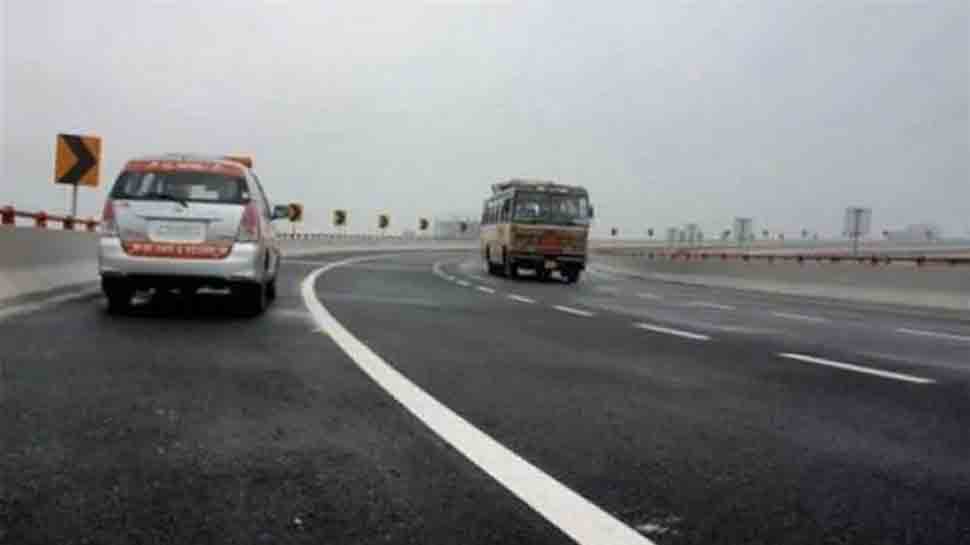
(409, 398)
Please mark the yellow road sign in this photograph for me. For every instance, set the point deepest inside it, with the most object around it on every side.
(78, 160)
(339, 218)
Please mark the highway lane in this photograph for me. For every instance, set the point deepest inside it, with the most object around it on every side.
(722, 436)
(182, 425)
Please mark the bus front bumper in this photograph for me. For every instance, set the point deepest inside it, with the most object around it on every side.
(548, 261)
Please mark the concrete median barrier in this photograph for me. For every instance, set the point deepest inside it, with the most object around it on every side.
(937, 286)
(41, 261)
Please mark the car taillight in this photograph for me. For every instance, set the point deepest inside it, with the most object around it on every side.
(108, 224)
(249, 225)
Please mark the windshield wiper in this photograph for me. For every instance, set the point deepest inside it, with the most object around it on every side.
(168, 197)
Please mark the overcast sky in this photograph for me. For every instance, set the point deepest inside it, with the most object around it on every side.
(667, 112)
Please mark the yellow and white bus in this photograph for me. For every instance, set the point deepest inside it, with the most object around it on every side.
(536, 225)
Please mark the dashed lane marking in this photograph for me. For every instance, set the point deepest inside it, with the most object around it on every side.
(709, 305)
(574, 311)
(800, 317)
(857, 368)
(485, 290)
(934, 334)
(674, 332)
(577, 517)
(521, 299)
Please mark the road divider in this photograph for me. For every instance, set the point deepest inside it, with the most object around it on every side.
(937, 287)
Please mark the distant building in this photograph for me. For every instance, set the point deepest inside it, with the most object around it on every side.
(917, 232)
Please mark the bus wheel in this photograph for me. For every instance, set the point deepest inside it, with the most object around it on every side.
(489, 266)
(571, 276)
(508, 267)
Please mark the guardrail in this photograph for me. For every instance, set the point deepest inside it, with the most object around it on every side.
(9, 215)
(871, 259)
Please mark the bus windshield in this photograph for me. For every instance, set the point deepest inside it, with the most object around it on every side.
(550, 208)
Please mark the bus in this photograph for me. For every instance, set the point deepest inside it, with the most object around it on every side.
(536, 225)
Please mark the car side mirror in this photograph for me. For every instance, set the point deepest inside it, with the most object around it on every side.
(281, 212)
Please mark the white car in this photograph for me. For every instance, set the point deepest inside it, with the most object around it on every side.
(186, 222)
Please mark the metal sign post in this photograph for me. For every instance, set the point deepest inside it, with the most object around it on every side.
(858, 221)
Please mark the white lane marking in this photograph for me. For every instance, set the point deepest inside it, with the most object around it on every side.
(858, 368)
(463, 284)
(652, 296)
(576, 516)
(706, 304)
(439, 271)
(521, 299)
(934, 334)
(675, 332)
(573, 311)
(33, 306)
(484, 289)
(800, 317)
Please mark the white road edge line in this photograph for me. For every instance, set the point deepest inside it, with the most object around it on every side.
(800, 317)
(857, 368)
(675, 332)
(652, 296)
(576, 516)
(706, 304)
(934, 334)
(485, 290)
(521, 299)
(41, 304)
(574, 311)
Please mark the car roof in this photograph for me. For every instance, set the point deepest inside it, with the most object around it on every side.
(191, 157)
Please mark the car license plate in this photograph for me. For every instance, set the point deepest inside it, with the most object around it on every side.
(177, 231)
(551, 264)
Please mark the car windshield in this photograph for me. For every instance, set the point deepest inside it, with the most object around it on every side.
(203, 187)
(550, 208)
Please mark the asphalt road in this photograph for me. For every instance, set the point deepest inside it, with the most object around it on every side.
(688, 415)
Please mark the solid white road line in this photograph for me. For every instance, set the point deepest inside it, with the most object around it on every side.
(652, 296)
(576, 516)
(439, 271)
(33, 306)
(706, 304)
(463, 284)
(799, 317)
(573, 311)
(858, 368)
(521, 299)
(934, 334)
(486, 290)
(675, 332)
